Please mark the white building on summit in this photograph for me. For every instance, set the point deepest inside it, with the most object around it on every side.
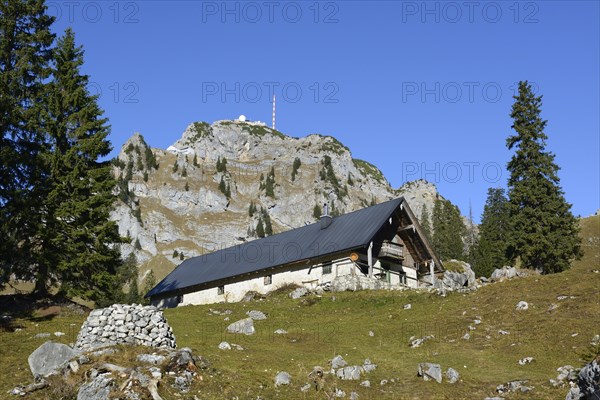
(381, 246)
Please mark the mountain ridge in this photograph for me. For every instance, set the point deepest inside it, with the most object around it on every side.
(187, 200)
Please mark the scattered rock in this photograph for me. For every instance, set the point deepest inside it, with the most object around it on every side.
(244, 326)
(305, 387)
(41, 335)
(371, 333)
(430, 371)
(154, 359)
(589, 380)
(59, 334)
(224, 346)
(526, 360)
(365, 383)
(354, 396)
(501, 332)
(49, 358)
(419, 342)
(280, 332)
(338, 362)
(383, 382)
(237, 347)
(552, 307)
(503, 273)
(283, 378)
(452, 375)
(562, 297)
(467, 336)
(340, 393)
(407, 306)
(349, 373)
(368, 366)
(522, 305)
(97, 389)
(298, 292)
(256, 315)
(514, 386)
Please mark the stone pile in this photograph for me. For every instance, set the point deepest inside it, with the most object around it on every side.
(125, 324)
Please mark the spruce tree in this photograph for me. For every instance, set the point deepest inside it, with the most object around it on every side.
(448, 230)
(260, 228)
(77, 242)
(25, 55)
(489, 251)
(544, 233)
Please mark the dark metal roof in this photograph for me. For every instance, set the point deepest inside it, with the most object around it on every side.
(346, 232)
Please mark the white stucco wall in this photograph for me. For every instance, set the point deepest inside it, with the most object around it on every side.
(306, 276)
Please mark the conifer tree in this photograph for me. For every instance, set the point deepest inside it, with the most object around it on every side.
(260, 228)
(77, 242)
(425, 221)
(489, 251)
(25, 55)
(544, 233)
(448, 230)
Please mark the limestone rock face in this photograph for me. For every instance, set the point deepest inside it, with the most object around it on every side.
(174, 203)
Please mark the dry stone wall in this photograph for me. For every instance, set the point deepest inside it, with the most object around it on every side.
(125, 324)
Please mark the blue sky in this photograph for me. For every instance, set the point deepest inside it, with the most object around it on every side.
(420, 89)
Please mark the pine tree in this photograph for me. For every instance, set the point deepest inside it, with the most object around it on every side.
(175, 254)
(426, 222)
(544, 233)
(267, 218)
(175, 166)
(295, 166)
(25, 55)
(251, 209)
(77, 242)
(490, 249)
(195, 160)
(187, 187)
(184, 172)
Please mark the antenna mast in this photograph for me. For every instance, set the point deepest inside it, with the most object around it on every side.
(273, 125)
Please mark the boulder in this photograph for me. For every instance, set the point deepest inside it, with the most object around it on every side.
(430, 371)
(452, 375)
(349, 373)
(97, 389)
(338, 362)
(589, 380)
(244, 326)
(503, 273)
(49, 358)
(256, 315)
(298, 292)
(224, 346)
(283, 378)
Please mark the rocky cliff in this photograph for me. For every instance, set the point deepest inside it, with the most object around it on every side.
(215, 185)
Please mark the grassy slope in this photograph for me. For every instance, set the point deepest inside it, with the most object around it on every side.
(321, 330)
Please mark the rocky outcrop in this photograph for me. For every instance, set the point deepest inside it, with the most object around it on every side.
(125, 324)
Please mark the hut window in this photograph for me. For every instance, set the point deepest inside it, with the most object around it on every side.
(326, 268)
(221, 289)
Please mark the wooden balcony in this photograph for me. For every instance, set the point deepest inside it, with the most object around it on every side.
(391, 250)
